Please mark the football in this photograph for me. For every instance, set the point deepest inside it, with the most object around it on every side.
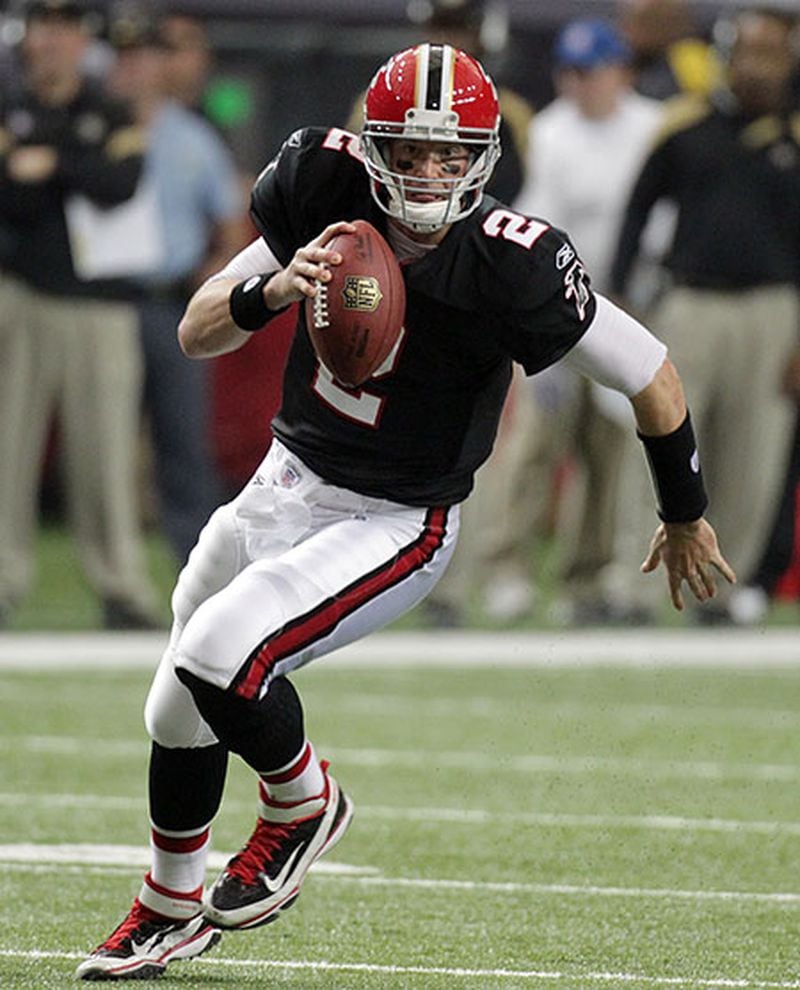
(354, 321)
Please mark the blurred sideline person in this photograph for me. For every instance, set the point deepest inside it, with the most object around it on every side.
(731, 163)
(245, 387)
(353, 515)
(669, 58)
(586, 149)
(200, 218)
(777, 575)
(190, 58)
(68, 340)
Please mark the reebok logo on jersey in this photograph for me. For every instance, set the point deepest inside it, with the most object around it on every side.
(288, 477)
(564, 256)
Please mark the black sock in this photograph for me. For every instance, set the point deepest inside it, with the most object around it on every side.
(186, 786)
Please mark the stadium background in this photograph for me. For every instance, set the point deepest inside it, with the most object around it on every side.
(280, 64)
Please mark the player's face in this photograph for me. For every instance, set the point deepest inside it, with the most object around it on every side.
(429, 167)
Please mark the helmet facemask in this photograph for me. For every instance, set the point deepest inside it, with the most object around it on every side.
(456, 198)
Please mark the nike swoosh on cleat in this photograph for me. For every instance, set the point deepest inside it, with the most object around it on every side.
(141, 950)
(273, 886)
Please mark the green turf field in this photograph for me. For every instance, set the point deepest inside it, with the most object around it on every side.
(586, 827)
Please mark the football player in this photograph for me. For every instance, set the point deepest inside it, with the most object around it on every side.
(353, 514)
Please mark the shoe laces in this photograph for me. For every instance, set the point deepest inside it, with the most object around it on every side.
(266, 840)
(141, 920)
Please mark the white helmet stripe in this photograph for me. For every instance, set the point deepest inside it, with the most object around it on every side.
(448, 69)
(421, 82)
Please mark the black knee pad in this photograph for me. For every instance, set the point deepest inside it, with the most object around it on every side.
(267, 733)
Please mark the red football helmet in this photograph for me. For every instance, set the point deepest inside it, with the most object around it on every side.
(431, 93)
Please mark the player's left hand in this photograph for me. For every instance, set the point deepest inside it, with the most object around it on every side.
(690, 553)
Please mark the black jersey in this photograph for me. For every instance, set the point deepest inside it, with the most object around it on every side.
(100, 155)
(500, 287)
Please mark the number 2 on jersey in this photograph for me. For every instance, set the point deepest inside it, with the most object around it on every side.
(514, 227)
(359, 405)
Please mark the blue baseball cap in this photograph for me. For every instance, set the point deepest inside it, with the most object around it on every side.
(585, 44)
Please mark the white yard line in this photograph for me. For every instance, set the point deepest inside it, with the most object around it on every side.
(93, 854)
(451, 816)
(555, 976)
(111, 859)
(474, 762)
(774, 647)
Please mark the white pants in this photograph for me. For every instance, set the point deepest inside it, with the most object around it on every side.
(290, 570)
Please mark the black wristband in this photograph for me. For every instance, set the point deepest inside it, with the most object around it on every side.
(675, 468)
(246, 304)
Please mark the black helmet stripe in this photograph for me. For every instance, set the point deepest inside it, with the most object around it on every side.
(433, 96)
(434, 77)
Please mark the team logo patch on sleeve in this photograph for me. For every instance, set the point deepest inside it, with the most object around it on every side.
(576, 288)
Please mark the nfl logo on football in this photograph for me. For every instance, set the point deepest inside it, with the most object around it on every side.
(361, 292)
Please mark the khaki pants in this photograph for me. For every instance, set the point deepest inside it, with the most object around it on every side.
(730, 349)
(78, 358)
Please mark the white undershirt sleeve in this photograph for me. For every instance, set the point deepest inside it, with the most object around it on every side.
(617, 351)
(255, 259)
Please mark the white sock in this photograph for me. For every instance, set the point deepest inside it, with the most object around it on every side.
(174, 885)
(297, 790)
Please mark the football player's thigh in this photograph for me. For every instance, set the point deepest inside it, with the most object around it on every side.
(170, 714)
(213, 562)
(342, 582)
